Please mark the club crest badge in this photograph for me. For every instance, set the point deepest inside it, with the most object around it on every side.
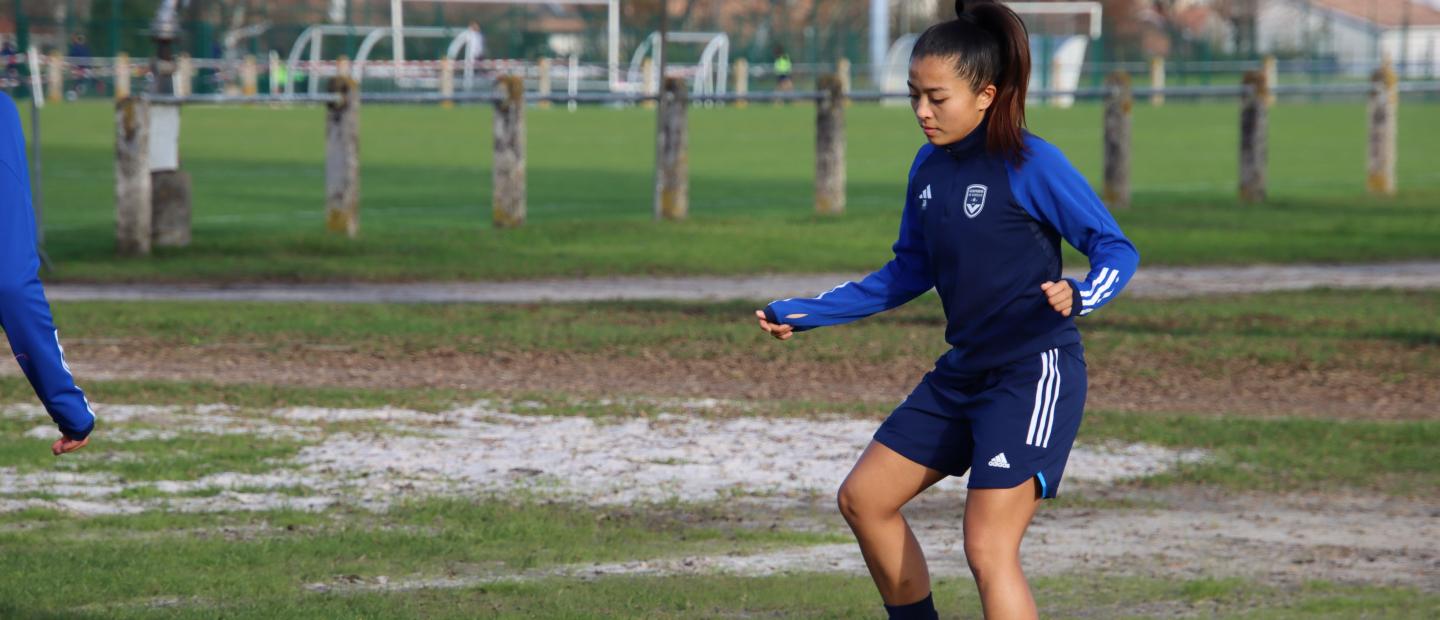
(975, 200)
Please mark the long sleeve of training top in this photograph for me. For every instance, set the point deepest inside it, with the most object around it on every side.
(1054, 192)
(24, 312)
(904, 278)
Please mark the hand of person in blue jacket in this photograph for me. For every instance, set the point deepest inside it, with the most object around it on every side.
(1060, 295)
(781, 331)
(66, 444)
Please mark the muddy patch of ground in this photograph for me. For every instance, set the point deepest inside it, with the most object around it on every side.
(1136, 381)
(766, 472)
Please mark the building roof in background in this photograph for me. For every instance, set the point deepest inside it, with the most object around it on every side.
(1384, 13)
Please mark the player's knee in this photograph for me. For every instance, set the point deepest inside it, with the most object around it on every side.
(855, 506)
(987, 554)
(846, 501)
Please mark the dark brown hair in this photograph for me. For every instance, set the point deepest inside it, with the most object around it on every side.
(988, 44)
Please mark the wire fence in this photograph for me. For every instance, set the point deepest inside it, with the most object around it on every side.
(69, 78)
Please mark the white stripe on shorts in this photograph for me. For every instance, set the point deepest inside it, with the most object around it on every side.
(1054, 400)
(1039, 389)
(1047, 390)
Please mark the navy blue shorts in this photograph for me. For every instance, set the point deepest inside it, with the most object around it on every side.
(1004, 425)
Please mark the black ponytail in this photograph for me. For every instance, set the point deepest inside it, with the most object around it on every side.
(989, 45)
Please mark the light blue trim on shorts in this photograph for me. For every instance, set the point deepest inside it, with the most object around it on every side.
(1044, 488)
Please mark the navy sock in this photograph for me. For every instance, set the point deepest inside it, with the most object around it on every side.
(923, 609)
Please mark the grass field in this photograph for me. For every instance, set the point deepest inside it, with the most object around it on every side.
(258, 193)
(190, 467)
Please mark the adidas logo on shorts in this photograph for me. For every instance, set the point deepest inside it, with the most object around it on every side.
(999, 461)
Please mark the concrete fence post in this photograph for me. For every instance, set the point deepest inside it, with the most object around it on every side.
(55, 77)
(249, 77)
(132, 177)
(1157, 81)
(1118, 106)
(275, 86)
(648, 84)
(544, 83)
(344, 67)
(508, 172)
(342, 158)
(169, 184)
(830, 146)
(1384, 123)
(1254, 137)
(1272, 77)
(741, 70)
(447, 81)
(122, 76)
(672, 159)
(184, 74)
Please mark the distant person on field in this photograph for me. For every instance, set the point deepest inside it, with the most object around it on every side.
(24, 312)
(986, 206)
(783, 67)
(78, 48)
(477, 40)
(475, 45)
(12, 62)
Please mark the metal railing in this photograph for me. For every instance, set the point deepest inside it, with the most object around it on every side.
(490, 97)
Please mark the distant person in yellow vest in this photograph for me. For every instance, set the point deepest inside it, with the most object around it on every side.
(278, 76)
(783, 67)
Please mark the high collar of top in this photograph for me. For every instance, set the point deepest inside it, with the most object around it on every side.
(971, 144)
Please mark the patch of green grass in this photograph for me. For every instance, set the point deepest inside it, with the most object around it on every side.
(1392, 331)
(264, 396)
(810, 595)
(250, 395)
(189, 458)
(103, 564)
(185, 458)
(1286, 455)
(259, 205)
(1327, 600)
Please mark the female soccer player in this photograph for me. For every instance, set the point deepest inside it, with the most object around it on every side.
(24, 313)
(985, 209)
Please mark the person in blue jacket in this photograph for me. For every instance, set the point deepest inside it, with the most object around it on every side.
(985, 209)
(24, 312)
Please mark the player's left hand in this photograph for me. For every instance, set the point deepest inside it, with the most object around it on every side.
(1060, 294)
(66, 444)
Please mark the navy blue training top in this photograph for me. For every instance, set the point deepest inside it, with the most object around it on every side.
(24, 312)
(985, 234)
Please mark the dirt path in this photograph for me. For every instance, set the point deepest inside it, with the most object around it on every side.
(1144, 381)
(1155, 282)
(764, 473)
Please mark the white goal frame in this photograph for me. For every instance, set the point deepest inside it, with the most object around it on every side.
(1065, 64)
(397, 25)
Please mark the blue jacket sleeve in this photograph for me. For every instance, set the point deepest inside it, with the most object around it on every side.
(904, 278)
(24, 312)
(1055, 193)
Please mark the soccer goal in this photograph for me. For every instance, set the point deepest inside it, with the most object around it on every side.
(711, 72)
(1060, 36)
(612, 33)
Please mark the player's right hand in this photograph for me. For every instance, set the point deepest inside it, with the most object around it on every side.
(65, 444)
(778, 330)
